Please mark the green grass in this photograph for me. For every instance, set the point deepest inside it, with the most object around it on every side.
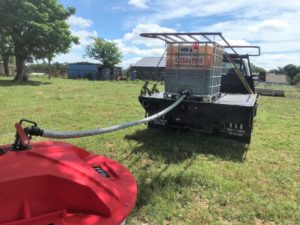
(183, 178)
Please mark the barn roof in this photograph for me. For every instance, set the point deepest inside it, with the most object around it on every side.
(84, 63)
(274, 78)
(150, 62)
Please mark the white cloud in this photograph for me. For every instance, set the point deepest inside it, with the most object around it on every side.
(80, 27)
(237, 42)
(138, 3)
(128, 62)
(85, 36)
(76, 53)
(135, 38)
(134, 47)
(79, 22)
(176, 9)
(270, 25)
(272, 61)
(170, 10)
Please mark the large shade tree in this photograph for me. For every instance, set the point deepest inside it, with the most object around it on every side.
(38, 29)
(105, 51)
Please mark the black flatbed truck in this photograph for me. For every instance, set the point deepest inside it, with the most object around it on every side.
(229, 115)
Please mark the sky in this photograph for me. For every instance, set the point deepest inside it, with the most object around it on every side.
(271, 24)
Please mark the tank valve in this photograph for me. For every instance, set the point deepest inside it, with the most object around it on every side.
(185, 92)
(23, 136)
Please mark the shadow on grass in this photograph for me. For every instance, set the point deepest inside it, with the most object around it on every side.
(9, 83)
(175, 146)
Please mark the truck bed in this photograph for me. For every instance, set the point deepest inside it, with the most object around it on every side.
(230, 116)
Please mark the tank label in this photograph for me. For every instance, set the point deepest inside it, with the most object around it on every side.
(189, 60)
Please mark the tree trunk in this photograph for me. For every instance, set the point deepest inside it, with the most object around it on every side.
(20, 64)
(49, 67)
(5, 65)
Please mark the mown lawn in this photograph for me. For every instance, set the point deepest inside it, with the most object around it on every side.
(183, 178)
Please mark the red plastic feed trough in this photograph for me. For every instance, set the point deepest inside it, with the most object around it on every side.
(57, 183)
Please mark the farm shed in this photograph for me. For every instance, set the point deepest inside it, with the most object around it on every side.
(149, 68)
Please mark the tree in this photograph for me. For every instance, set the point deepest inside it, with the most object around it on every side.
(6, 51)
(291, 71)
(280, 70)
(105, 51)
(296, 79)
(58, 43)
(38, 29)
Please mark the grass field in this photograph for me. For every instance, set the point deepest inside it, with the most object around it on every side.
(183, 178)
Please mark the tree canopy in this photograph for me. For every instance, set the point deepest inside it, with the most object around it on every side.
(292, 73)
(291, 70)
(38, 29)
(105, 51)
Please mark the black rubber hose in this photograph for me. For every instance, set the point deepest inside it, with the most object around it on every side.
(85, 133)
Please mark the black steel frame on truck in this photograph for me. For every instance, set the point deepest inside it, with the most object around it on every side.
(230, 112)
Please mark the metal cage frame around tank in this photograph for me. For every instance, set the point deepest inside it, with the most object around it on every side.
(201, 81)
(203, 37)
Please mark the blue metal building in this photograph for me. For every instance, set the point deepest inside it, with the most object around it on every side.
(83, 70)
